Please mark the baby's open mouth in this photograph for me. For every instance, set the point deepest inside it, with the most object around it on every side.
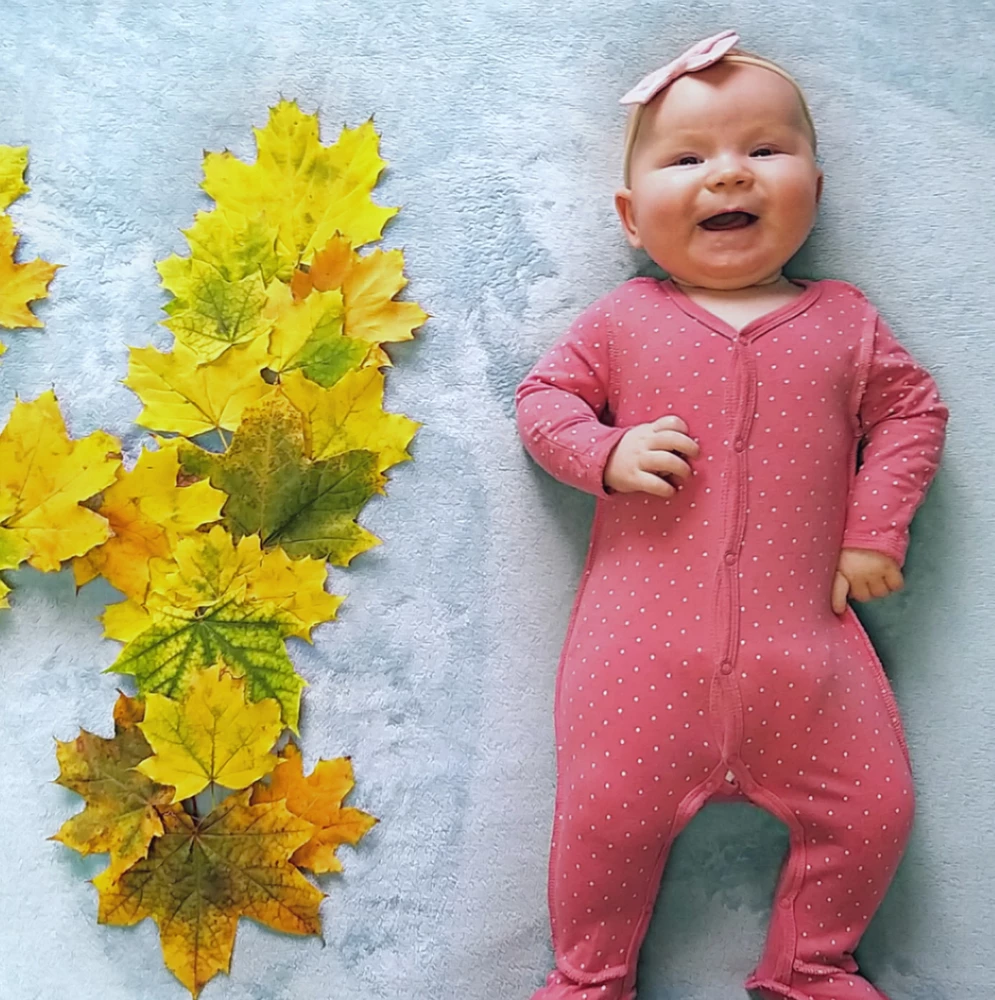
(729, 220)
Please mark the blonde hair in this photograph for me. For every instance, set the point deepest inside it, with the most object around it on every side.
(734, 55)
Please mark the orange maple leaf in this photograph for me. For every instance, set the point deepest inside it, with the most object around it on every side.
(317, 799)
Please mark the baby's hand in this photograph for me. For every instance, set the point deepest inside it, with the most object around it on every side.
(645, 454)
(865, 574)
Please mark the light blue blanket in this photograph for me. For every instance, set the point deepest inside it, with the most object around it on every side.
(503, 134)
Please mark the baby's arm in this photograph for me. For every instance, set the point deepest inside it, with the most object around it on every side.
(903, 421)
(561, 399)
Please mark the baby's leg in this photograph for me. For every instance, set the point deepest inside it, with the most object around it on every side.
(847, 796)
(623, 795)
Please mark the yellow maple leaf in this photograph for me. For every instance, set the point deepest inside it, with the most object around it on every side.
(295, 586)
(369, 284)
(43, 476)
(350, 415)
(220, 289)
(125, 620)
(14, 549)
(183, 396)
(20, 283)
(209, 568)
(148, 512)
(305, 190)
(201, 875)
(13, 163)
(123, 807)
(318, 799)
(212, 736)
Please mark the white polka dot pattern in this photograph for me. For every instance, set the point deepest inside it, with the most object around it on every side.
(703, 657)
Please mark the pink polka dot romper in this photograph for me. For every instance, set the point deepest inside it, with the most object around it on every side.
(703, 657)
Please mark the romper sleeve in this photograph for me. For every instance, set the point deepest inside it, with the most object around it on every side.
(561, 400)
(903, 426)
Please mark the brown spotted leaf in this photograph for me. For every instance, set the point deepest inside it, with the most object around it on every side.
(202, 875)
(123, 807)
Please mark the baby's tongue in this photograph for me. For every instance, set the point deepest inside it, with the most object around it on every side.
(727, 220)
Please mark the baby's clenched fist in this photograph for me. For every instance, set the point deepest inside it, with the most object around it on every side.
(646, 453)
(864, 574)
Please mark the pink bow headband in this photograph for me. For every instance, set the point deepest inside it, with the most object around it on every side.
(705, 53)
(700, 55)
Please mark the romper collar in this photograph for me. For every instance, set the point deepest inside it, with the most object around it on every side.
(756, 327)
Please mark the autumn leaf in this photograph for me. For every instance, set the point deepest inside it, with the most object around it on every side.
(14, 549)
(210, 314)
(248, 639)
(304, 190)
(183, 396)
(307, 336)
(279, 327)
(148, 512)
(209, 568)
(202, 875)
(295, 586)
(234, 246)
(318, 799)
(13, 163)
(19, 283)
(43, 477)
(217, 600)
(274, 489)
(368, 285)
(350, 416)
(123, 806)
(210, 737)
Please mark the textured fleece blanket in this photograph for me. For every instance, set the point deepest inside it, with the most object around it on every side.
(503, 134)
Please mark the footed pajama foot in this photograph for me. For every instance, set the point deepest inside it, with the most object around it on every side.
(838, 985)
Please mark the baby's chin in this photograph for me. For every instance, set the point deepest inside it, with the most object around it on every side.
(725, 277)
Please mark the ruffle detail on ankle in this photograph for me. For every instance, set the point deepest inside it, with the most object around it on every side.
(581, 978)
(847, 964)
(773, 986)
(560, 986)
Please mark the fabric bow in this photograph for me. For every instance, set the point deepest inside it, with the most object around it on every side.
(700, 55)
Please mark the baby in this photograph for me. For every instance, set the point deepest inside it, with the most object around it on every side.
(711, 651)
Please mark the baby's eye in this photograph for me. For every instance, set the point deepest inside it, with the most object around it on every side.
(689, 156)
(763, 149)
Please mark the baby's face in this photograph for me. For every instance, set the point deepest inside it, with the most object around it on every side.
(732, 136)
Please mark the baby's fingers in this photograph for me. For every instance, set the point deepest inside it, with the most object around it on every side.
(841, 587)
(665, 439)
(878, 586)
(649, 482)
(666, 463)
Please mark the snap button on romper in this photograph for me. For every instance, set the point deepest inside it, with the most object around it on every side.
(703, 657)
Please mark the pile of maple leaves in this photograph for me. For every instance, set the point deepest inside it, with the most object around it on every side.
(221, 552)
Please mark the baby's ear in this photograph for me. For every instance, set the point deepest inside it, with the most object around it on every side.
(623, 205)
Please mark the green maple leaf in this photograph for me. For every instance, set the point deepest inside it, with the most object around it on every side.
(247, 637)
(308, 508)
(328, 354)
